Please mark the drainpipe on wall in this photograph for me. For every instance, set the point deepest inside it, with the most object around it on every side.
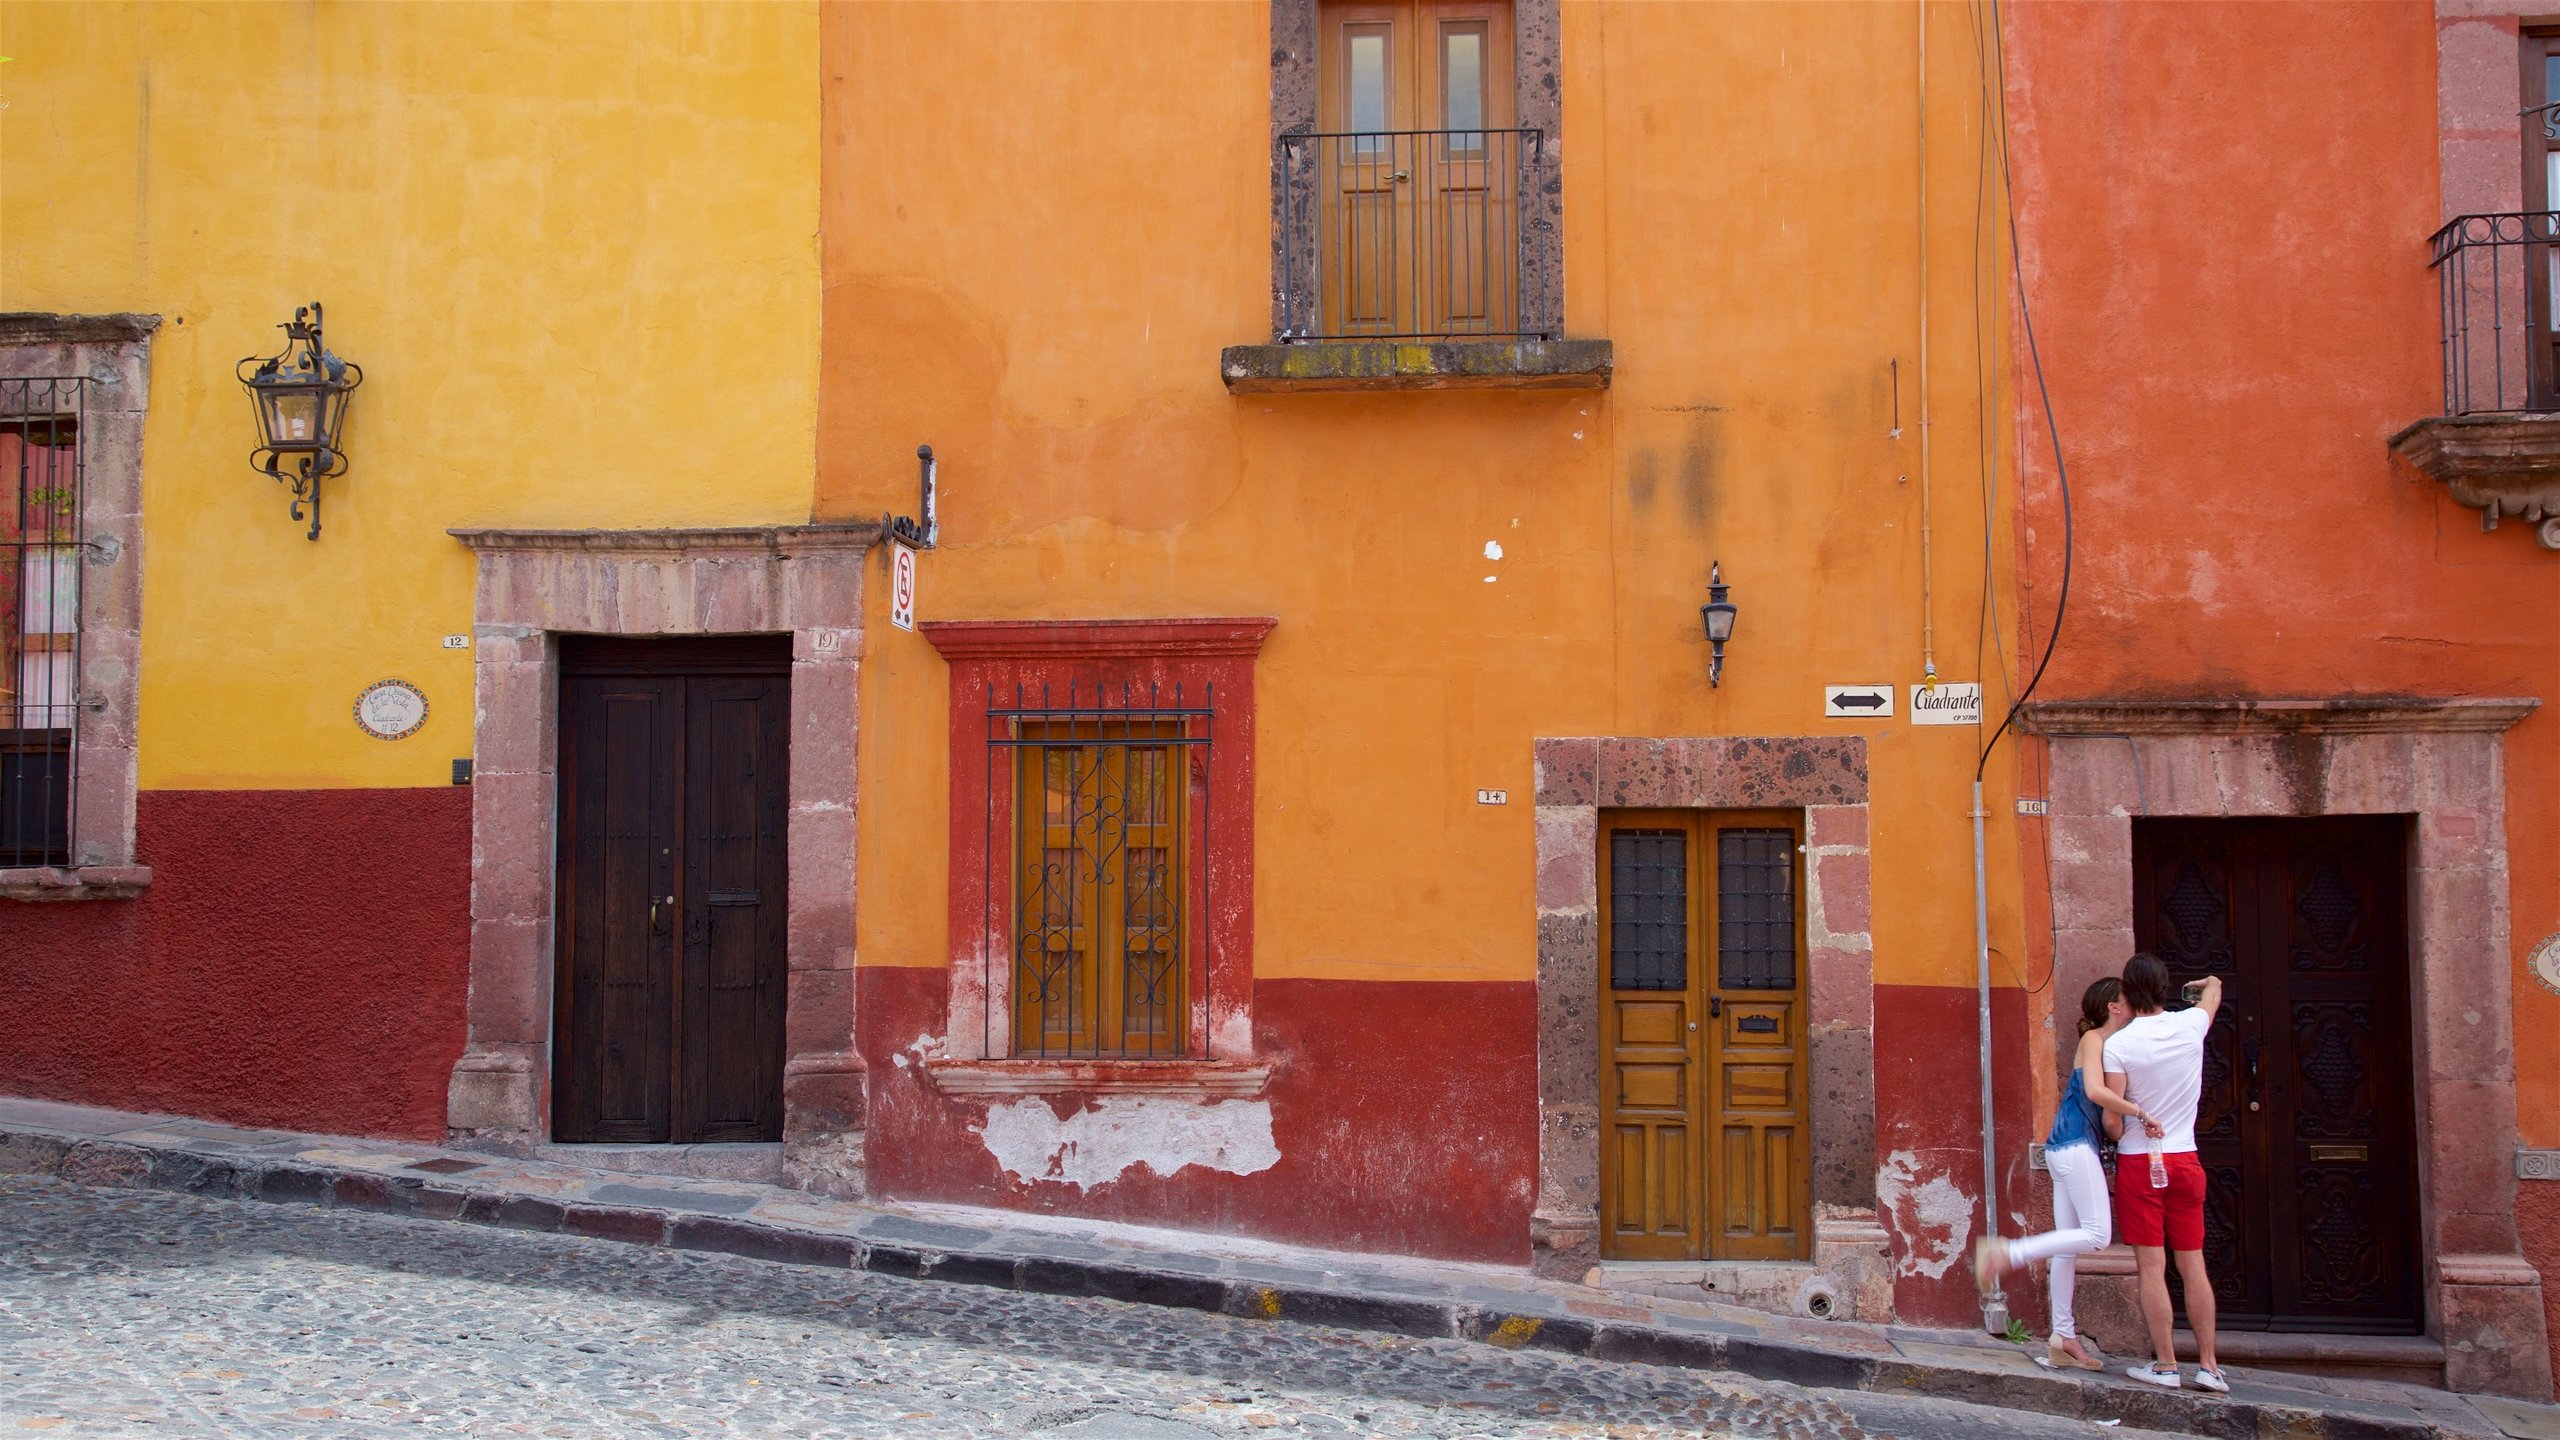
(1995, 1305)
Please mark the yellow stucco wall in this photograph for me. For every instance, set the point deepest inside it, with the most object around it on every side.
(574, 247)
(1035, 272)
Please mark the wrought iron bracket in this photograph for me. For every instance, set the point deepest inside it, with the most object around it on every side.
(907, 530)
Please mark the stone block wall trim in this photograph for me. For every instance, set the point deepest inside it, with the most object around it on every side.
(112, 355)
(778, 539)
(2440, 761)
(1576, 777)
(878, 1242)
(27, 327)
(2538, 1165)
(801, 580)
(2345, 715)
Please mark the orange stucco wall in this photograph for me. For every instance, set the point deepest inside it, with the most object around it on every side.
(2227, 358)
(1035, 272)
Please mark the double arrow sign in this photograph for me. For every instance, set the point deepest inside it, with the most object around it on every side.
(1857, 701)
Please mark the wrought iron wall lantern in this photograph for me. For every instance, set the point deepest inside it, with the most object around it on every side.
(1719, 613)
(301, 400)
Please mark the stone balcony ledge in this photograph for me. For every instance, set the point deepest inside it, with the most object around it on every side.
(1323, 366)
(2501, 464)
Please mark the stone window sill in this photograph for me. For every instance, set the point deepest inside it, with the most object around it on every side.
(1206, 1079)
(2498, 465)
(1322, 366)
(87, 882)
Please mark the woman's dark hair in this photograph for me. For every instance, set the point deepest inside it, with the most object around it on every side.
(2146, 983)
(2095, 1000)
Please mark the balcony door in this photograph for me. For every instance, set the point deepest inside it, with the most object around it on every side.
(1418, 170)
(2541, 121)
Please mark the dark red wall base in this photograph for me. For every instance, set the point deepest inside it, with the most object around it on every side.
(300, 961)
(2538, 1221)
(1929, 1138)
(1405, 1115)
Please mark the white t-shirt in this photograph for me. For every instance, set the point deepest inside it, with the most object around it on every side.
(2162, 1060)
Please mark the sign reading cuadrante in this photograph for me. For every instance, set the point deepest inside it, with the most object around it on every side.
(391, 709)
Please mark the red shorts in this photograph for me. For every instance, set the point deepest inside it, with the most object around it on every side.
(2144, 1216)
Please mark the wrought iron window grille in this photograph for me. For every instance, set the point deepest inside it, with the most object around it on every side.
(1097, 813)
(42, 545)
(1413, 235)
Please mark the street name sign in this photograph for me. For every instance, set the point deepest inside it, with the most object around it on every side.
(1944, 704)
(1857, 702)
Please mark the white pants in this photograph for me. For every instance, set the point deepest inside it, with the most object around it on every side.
(2082, 1223)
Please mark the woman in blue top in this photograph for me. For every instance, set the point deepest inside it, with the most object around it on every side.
(2081, 1218)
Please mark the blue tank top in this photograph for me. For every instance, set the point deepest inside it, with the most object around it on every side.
(2075, 1121)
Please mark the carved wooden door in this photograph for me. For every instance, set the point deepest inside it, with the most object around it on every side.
(2306, 1133)
(668, 1005)
(1705, 1145)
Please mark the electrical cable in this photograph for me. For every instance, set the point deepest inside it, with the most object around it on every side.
(2044, 396)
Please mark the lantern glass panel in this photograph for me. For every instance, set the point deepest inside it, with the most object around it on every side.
(1720, 617)
(293, 416)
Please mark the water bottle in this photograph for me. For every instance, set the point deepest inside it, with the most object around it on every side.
(2159, 1171)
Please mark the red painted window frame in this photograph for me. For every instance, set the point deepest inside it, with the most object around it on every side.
(1205, 657)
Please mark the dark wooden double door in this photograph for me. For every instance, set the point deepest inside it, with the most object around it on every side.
(674, 796)
(2306, 1130)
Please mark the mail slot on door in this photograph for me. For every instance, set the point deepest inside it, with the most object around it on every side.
(2335, 1153)
(1760, 1025)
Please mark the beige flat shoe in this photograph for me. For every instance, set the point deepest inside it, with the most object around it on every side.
(2058, 1356)
(1990, 1257)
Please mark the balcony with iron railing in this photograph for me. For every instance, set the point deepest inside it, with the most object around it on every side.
(1416, 259)
(2496, 445)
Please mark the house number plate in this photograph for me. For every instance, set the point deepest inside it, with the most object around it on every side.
(391, 709)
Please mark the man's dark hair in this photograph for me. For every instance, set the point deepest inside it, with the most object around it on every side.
(2146, 983)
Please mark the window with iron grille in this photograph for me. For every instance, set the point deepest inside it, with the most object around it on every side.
(1107, 790)
(40, 554)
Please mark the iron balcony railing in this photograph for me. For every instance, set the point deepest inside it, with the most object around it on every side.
(2498, 302)
(1413, 235)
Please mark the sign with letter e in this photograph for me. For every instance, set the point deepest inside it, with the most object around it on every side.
(1857, 702)
(1944, 704)
(902, 586)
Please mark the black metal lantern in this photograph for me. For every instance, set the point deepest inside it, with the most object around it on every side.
(301, 400)
(1719, 613)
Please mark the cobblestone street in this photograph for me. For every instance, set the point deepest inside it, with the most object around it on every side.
(127, 1312)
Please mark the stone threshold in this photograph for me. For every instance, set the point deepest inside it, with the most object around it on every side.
(1246, 1279)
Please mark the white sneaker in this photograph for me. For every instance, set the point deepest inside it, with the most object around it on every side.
(2154, 1375)
(2212, 1380)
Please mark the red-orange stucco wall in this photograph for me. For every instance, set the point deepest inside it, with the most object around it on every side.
(2227, 267)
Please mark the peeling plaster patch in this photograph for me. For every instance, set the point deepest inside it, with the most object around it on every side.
(1096, 1146)
(1493, 549)
(1931, 1221)
(927, 1046)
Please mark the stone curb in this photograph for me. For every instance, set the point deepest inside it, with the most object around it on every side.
(1696, 1346)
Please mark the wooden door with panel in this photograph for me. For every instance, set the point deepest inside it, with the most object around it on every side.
(1706, 1135)
(622, 749)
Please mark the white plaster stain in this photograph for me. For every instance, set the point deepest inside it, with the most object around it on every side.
(1932, 1219)
(1493, 549)
(1097, 1146)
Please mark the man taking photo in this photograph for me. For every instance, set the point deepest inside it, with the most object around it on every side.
(2157, 1062)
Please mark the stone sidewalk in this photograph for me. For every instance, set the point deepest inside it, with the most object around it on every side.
(1488, 1304)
